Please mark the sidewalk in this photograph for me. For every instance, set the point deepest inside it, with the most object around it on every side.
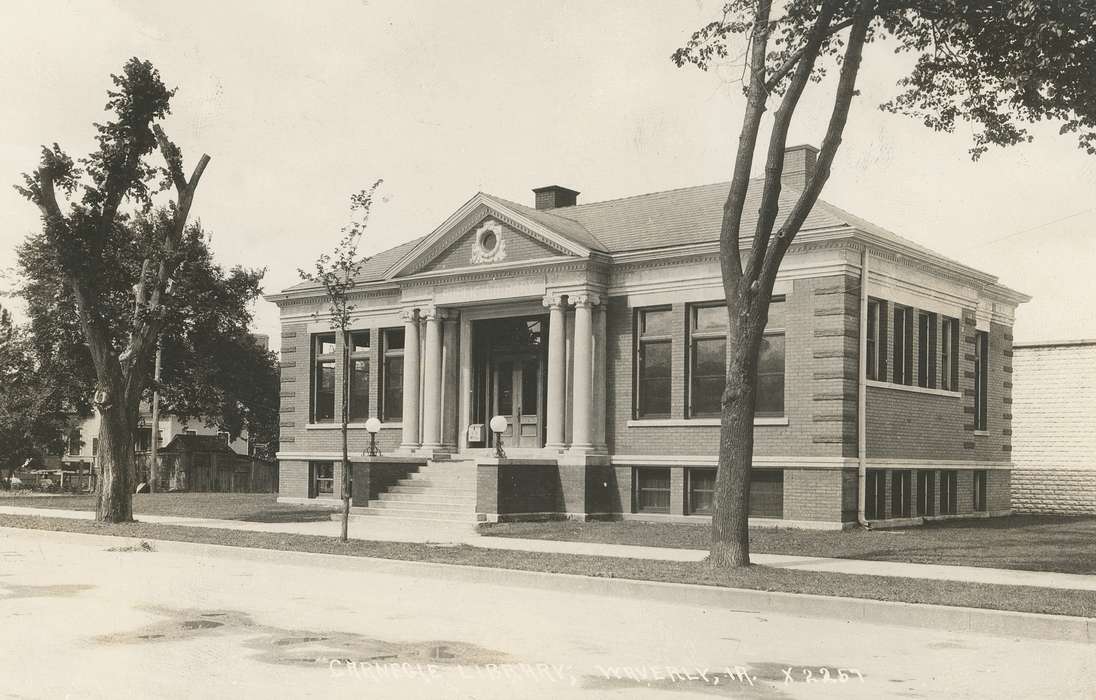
(383, 529)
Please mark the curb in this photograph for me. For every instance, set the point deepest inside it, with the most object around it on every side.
(1002, 623)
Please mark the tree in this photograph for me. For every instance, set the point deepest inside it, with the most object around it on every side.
(32, 416)
(337, 273)
(995, 65)
(95, 244)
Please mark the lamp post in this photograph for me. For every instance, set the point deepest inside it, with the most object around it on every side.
(373, 425)
(498, 426)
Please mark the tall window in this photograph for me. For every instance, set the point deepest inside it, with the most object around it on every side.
(323, 377)
(94, 446)
(701, 491)
(926, 492)
(392, 375)
(980, 490)
(359, 375)
(903, 346)
(949, 354)
(875, 343)
(708, 358)
(654, 346)
(981, 379)
(875, 494)
(901, 482)
(74, 442)
(949, 488)
(926, 350)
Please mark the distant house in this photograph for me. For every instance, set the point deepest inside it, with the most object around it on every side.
(1054, 427)
(598, 332)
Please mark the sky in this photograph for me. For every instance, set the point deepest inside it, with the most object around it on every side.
(301, 104)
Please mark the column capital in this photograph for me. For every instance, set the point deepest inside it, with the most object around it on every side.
(408, 315)
(449, 316)
(430, 313)
(553, 301)
(585, 300)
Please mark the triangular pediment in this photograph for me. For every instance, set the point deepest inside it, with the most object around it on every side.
(485, 233)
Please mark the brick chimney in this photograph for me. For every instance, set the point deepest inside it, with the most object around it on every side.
(554, 197)
(799, 162)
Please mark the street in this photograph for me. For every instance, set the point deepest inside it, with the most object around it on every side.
(80, 621)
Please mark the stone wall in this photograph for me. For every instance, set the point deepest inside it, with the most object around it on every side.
(1051, 490)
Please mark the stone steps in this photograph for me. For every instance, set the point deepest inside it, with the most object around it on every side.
(441, 491)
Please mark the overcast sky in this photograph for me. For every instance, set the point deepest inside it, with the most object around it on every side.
(301, 104)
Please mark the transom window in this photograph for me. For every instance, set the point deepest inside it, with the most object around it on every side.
(654, 348)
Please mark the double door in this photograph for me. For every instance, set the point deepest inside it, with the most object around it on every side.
(518, 395)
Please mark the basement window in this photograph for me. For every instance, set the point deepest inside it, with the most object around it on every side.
(949, 487)
(652, 490)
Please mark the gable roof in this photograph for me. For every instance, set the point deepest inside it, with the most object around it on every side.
(657, 220)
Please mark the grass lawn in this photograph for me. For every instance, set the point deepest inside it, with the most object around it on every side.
(1030, 542)
(1020, 598)
(252, 507)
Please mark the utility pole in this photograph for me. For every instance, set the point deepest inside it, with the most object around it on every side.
(154, 442)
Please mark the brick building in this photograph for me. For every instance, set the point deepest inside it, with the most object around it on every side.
(597, 331)
(1055, 446)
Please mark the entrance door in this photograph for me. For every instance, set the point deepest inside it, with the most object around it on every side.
(518, 388)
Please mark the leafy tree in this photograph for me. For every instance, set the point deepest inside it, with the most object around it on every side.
(994, 65)
(336, 273)
(32, 416)
(96, 243)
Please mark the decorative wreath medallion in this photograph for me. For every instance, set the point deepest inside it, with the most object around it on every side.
(490, 245)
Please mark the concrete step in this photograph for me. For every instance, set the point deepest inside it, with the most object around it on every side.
(438, 483)
(420, 515)
(424, 505)
(416, 488)
(430, 495)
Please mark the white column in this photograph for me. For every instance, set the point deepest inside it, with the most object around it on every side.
(450, 379)
(465, 382)
(410, 380)
(584, 371)
(600, 374)
(557, 371)
(432, 379)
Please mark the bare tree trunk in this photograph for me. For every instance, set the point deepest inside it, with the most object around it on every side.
(730, 518)
(116, 468)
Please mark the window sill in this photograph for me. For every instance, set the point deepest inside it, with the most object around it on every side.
(982, 433)
(698, 422)
(913, 389)
(350, 426)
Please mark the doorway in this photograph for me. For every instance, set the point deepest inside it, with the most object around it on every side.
(509, 376)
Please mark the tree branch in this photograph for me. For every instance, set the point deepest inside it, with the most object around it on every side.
(846, 90)
(774, 163)
(730, 256)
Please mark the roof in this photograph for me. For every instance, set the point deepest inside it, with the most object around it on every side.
(667, 219)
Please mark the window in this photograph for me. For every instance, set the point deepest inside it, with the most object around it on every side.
(767, 493)
(654, 344)
(321, 480)
(143, 443)
(74, 443)
(980, 490)
(708, 359)
(903, 348)
(949, 484)
(94, 446)
(653, 490)
(359, 375)
(901, 480)
(701, 491)
(392, 375)
(949, 354)
(875, 334)
(981, 379)
(926, 493)
(926, 350)
(875, 495)
(323, 377)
